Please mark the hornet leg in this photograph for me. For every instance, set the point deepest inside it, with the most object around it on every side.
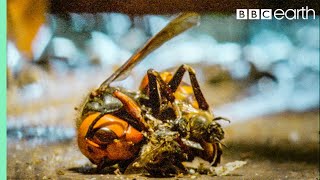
(177, 78)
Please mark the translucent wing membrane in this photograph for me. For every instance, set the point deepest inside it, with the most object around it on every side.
(178, 25)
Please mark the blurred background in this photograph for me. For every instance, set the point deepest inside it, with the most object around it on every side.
(262, 75)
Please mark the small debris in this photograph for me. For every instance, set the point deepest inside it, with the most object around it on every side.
(192, 171)
(193, 177)
(196, 164)
(117, 172)
(228, 168)
(201, 166)
(180, 175)
(60, 172)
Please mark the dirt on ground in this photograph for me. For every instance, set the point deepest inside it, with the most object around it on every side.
(267, 144)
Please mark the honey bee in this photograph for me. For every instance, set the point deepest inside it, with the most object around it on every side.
(157, 127)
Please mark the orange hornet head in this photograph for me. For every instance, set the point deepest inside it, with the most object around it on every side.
(114, 139)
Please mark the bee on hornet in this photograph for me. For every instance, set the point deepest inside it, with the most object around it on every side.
(157, 127)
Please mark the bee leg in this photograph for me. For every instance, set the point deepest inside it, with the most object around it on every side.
(221, 118)
(218, 156)
(181, 168)
(132, 108)
(212, 152)
(155, 93)
(177, 78)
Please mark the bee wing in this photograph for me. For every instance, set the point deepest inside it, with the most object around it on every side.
(181, 23)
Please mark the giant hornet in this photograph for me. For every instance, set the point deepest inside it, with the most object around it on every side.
(156, 128)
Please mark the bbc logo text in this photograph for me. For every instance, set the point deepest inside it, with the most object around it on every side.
(279, 14)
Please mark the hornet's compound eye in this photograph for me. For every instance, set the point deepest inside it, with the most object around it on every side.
(104, 136)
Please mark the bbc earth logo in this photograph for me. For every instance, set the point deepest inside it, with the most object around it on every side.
(279, 14)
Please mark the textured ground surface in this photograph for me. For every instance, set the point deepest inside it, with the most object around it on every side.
(272, 153)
